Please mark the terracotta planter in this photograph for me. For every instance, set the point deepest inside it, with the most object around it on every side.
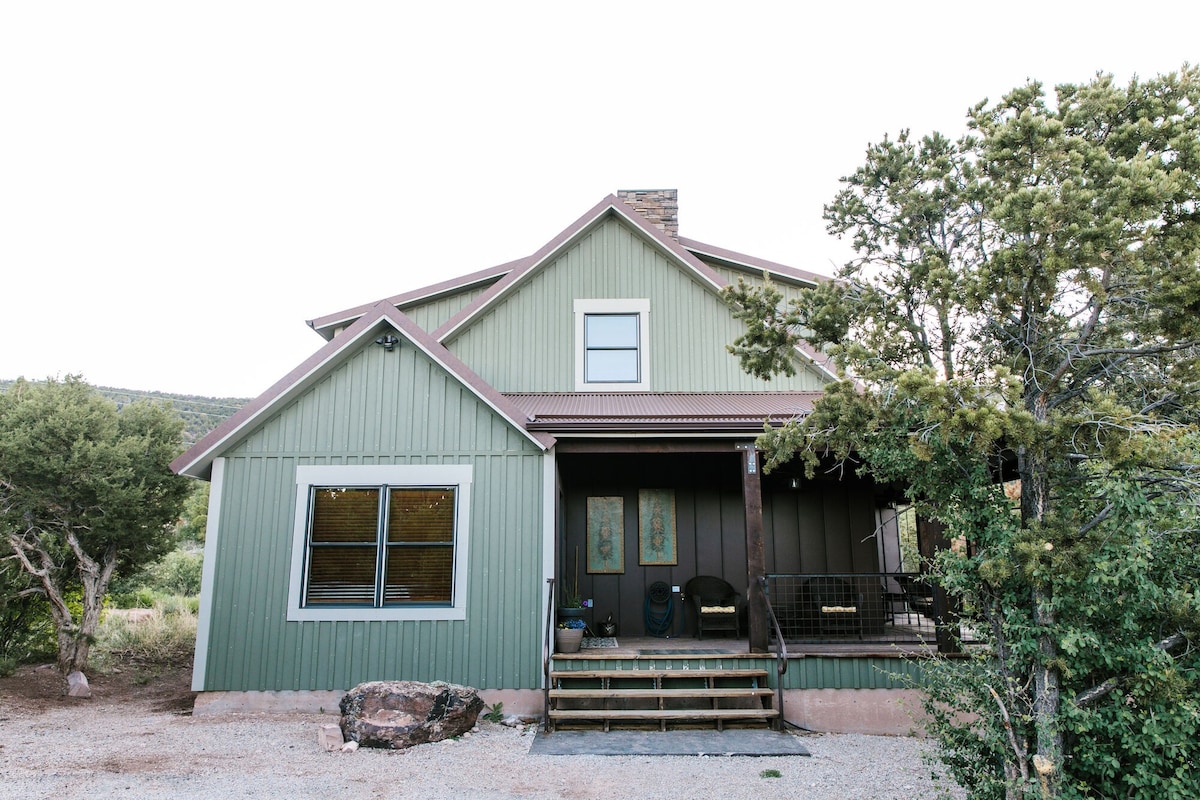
(567, 640)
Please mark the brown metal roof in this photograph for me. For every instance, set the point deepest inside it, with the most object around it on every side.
(665, 411)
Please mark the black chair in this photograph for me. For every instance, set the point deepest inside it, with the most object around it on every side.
(917, 593)
(717, 605)
(839, 606)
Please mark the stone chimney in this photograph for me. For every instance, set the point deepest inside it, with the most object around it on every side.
(659, 206)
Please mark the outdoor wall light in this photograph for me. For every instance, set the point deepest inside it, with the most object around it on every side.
(387, 341)
(794, 483)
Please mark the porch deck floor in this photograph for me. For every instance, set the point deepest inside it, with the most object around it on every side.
(689, 647)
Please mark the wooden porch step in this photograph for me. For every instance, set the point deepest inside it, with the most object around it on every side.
(633, 674)
(613, 694)
(660, 695)
(654, 714)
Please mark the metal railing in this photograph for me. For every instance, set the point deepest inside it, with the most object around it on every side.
(874, 607)
(547, 649)
(781, 654)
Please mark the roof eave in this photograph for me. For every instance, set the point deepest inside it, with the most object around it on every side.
(595, 426)
(196, 462)
(610, 205)
(328, 324)
(753, 263)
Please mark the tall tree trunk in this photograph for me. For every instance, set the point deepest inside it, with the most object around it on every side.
(1046, 699)
(94, 577)
(1035, 507)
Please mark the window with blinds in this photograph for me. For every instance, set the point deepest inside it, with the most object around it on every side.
(381, 546)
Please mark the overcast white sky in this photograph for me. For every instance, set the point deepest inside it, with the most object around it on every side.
(182, 185)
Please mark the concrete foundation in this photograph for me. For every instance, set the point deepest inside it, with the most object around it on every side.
(889, 712)
(267, 703)
(526, 703)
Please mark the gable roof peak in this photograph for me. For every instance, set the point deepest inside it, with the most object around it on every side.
(659, 206)
(380, 320)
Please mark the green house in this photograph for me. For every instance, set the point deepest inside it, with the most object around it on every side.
(412, 501)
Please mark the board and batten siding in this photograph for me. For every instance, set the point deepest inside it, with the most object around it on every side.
(526, 341)
(788, 289)
(429, 314)
(378, 408)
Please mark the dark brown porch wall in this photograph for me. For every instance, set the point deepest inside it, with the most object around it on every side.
(824, 526)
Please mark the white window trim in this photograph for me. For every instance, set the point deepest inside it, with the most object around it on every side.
(456, 475)
(639, 306)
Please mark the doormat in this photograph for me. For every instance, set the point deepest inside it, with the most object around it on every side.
(592, 642)
(730, 742)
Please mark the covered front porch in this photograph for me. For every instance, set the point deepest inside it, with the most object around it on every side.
(826, 565)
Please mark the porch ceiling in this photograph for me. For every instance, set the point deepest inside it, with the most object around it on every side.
(661, 411)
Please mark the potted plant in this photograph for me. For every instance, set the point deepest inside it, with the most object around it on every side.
(568, 636)
(570, 604)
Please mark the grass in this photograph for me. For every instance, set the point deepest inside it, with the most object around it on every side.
(163, 634)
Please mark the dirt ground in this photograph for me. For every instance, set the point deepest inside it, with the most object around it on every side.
(157, 689)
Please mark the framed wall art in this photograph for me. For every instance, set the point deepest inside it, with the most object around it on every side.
(606, 535)
(656, 527)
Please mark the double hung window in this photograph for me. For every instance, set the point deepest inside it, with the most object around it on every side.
(610, 348)
(612, 345)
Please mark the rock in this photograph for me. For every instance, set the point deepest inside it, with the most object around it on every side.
(77, 685)
(349, 747)
(400, 714)
(329, 736)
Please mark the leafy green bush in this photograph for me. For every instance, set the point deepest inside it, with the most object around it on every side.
(178, 573)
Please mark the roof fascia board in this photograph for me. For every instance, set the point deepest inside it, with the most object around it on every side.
(477, 385)
(740, 436)
(528, 265)
(196, 460)
(609, 205)
(325, 324)
(752, 263)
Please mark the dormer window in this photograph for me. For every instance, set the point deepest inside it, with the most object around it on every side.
(611, 352)
(610, 348)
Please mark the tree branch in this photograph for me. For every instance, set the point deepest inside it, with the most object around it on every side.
(1022, 761)
(1089, 696)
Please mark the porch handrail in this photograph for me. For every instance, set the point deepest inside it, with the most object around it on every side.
(781, 654)
(547, 649)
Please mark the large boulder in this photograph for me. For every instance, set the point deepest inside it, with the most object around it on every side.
(399, 714)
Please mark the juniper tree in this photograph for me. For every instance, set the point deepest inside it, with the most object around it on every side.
(85, 492)
(1029, 294)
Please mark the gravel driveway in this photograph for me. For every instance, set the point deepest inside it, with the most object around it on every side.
(84, 750)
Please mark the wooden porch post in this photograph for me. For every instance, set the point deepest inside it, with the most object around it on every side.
(931, 537)
(756, 561)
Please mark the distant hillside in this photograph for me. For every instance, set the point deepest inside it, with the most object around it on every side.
(200, 414)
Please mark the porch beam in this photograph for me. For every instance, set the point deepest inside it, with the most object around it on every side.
(660, 446)
(756, 560)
